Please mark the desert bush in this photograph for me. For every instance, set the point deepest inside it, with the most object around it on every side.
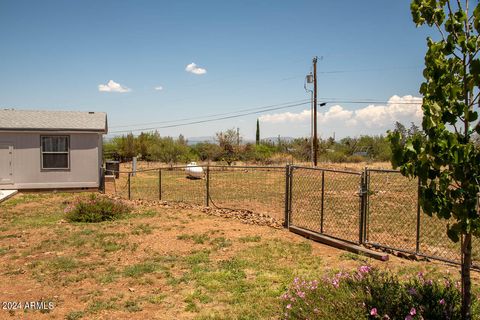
(356, 159)
(373, 294)
(95, 209)
(280, 158)
(335, 157)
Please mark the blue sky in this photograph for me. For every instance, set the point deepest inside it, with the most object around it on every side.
(56, 54)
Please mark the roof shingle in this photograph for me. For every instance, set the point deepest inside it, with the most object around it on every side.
(15, 120)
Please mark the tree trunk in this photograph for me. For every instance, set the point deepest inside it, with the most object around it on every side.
(466, 283)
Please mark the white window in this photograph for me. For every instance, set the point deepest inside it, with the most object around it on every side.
(55, 152)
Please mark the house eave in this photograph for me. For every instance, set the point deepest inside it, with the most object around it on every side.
(64, 130)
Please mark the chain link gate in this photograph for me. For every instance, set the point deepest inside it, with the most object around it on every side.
(326, 201)
(394, 219)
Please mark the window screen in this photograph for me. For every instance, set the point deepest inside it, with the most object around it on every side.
(55, 152)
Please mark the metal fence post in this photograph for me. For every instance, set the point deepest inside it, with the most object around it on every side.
(322, 202)
(417, 245)
(129, 189)
(207, 182)
(287, 195)
(363, 192)
(159, 184)
(290, 195)
(366, 205)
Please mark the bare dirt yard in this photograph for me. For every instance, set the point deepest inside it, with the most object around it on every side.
(162, 261)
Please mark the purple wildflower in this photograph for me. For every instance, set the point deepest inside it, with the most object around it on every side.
(364, 269)
(373, 312)
(335, 282)
(413, 311)
(442, 302)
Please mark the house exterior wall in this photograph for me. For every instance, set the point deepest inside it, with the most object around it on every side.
(85, 161)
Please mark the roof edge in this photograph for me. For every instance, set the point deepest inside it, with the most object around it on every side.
(54, 129)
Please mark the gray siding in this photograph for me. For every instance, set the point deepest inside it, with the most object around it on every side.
(85, 161)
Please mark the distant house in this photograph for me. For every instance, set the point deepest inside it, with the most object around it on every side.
(51, 149)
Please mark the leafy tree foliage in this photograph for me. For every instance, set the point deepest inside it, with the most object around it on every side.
(446, 160)
(150, 146)
(228, 142)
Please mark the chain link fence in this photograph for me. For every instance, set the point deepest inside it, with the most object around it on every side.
(391, 210)
(326, 201)
(395, 220)
(258, 189)
(376, 207)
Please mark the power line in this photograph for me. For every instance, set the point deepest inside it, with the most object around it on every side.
(324, 99)
(370, 102)
(212, 115)
(211, 120)
(370, 70)
(231, 115)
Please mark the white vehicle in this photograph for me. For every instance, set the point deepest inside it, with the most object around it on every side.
(194, 171)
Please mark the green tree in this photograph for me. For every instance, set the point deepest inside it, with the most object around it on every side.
(144, 144)
(124, 146)
(228, 142)
(170, 151)
(207, 151)
(446, 160)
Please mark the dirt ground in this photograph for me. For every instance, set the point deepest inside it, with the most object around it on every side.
(161, 262)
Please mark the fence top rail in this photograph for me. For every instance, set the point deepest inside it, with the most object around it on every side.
(383, 170)
(328, 170)
(203, 166)
(247, 167)
(131, 171)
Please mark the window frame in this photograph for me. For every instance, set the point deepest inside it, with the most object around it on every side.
(55, 152)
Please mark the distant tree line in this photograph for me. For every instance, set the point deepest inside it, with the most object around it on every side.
(229, 147)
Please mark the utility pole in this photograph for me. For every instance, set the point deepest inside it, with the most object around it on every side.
(238, 136)
(315, 142)
(257, 134)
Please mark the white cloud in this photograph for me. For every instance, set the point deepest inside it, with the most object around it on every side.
(403, 109)
(158, 88)
(372, 118)
(193, 68)
(335, 113)
(286, 117)
(113, 86)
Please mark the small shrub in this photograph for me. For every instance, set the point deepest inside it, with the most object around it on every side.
(372, 294)
(96, 209)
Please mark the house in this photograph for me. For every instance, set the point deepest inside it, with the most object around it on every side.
(51, 149)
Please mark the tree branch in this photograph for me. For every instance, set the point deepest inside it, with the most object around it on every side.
(441, 31)
(450, 14)
(474, 100)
